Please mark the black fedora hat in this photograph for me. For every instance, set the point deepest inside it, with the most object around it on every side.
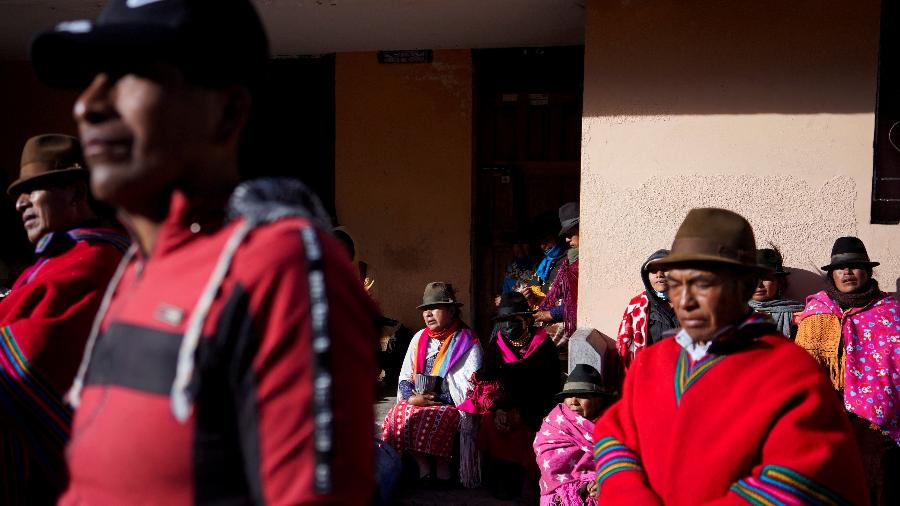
(584, 380)
(568, 217)
(512, 304)
(770, 258)
(849, 251)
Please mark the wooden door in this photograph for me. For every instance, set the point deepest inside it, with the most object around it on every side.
(528, 142)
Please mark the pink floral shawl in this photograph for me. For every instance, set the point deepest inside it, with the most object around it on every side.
(564, 447)
(872, 368)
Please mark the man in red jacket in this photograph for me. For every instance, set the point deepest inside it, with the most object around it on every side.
(234, 360)
(728, 411)
(46, 318)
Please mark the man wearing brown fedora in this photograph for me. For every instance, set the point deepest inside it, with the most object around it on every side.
(46, 318)
(728, 411)
(234, 361)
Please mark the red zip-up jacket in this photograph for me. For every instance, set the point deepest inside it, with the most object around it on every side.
(270, 418)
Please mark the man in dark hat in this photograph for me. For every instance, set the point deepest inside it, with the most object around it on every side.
(213, 375)
(852, 328)
(564, 443)
(769, 298)
(46, 318)
(728, 410)
(561, 303)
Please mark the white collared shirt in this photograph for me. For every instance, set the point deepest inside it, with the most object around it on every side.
(694, 349)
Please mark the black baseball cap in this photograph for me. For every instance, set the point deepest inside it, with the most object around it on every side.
(214, 42)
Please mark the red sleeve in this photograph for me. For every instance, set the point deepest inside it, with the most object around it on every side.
(277, 426)
(810, 450)
(46, 323)
(620, 474)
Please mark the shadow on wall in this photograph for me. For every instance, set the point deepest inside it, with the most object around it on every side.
(802, 283)
(713, 57)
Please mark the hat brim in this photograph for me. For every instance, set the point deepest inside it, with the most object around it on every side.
(567, 226)
(831, 267)
(583, 391)
(67, 59)
(19, 185)
(434, 304)
(673, 261)
(499, 318)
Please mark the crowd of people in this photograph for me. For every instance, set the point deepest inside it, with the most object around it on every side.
(723, 375)
(187, 337)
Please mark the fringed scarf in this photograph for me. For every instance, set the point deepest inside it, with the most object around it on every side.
(781, 310)
(564, 449)
(869, 368)
(565, 288)
(455, 342)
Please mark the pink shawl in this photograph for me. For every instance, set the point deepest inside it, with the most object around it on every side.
(509, 356)
(482, 395)
(564, 449)
(872, 368)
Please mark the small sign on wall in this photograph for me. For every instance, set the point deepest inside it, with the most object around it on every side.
(405, 56)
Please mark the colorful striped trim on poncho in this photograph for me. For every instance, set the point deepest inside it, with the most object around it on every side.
(451, 351)
(687, 372)
(24, 394)
(779, 485)
(612, 457)
(119, 240)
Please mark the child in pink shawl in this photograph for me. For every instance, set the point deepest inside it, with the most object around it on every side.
(564, 445)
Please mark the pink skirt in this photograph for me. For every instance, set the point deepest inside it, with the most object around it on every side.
(427, 430)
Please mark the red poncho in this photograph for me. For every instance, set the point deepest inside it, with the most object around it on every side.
(44, 323)
(754, 420)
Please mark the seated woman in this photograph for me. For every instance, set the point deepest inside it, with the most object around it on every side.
(515, 389)
(564, 445)
(768, 297)
(439, 364)
(648, 315)
(852, 328)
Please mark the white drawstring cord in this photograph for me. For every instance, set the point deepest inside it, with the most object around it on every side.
(181, 404)
(74, 394)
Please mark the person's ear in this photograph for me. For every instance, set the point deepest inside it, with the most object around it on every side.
(235, 107)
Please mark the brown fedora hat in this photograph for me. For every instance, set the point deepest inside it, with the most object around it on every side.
(438, 293)
(49, 157)
(716, 236)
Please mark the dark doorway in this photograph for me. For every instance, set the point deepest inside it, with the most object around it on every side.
(528, 153)
(292, 131)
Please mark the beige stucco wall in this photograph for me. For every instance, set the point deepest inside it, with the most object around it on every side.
(765, 108)
(403, 172)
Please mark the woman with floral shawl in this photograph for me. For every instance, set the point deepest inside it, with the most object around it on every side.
(852, 328)
(564, 444)
(441, 360)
